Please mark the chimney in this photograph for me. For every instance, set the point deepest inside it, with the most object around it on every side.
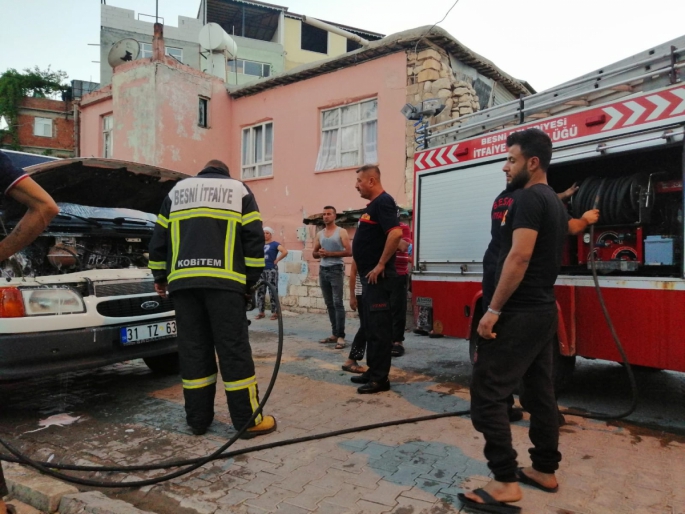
(158, 43)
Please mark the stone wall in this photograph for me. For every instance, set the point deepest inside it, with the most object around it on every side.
(430, 75)
(300, 291)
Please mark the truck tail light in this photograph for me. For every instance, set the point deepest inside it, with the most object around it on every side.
(11, 303)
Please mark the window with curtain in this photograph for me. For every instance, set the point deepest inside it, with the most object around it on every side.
(257, 151)
(107, 142)
(349, 136)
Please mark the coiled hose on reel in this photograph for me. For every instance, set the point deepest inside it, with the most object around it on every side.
(619, 201)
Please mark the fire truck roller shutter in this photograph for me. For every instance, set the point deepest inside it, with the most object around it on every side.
(454, 219)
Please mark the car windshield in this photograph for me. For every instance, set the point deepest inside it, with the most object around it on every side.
(113, 214)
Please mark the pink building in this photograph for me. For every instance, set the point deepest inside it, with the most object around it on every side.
(295, 138)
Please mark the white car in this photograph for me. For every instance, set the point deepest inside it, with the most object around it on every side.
(81, 296)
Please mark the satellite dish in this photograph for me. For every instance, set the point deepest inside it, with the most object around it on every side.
(123, 51)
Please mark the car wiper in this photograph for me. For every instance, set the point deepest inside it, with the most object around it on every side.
(120, 220)
(68, 215)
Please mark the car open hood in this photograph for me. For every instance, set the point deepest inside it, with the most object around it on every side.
(103, 183)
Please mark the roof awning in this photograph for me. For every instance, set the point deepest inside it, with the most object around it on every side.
(347, 218)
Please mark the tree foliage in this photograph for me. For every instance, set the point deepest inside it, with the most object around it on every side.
(16, 85)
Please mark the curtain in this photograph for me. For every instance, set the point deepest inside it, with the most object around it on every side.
(326, 159)
(370, 142)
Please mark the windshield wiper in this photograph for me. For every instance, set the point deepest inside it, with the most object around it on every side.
(68, 215)
(120, 220)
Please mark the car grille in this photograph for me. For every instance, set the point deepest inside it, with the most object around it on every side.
(124, 288)
(127, 307)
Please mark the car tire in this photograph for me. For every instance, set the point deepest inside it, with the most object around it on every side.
(166, 364)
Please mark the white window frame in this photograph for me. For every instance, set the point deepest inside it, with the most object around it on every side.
(361, 157)
(42, 127)
(107, 136)
(252, 165)
(206, 113)
(146, 51)
(239, 65)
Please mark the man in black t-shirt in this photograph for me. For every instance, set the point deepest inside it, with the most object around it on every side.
(517, 332)
(41, 209)
(373, 250)
(500, 206)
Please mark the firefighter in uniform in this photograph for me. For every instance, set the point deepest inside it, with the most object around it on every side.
(207, 251)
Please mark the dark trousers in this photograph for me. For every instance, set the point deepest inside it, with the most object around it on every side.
(212, 320)
(398, 306)
(359, 342)
(331, 279)
(523, 350)
(377, 323)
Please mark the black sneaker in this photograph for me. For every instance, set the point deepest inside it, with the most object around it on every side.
(397, 350)
(359, 379)
(374, 387)
(199, 430)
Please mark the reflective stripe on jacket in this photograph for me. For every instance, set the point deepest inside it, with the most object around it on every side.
(208, 234)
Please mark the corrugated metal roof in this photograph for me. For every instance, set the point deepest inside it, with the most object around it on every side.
(262, 4)
(351, 217)
(393, 43)
(340, 25)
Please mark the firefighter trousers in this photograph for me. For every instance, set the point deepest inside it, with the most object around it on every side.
(209, 321)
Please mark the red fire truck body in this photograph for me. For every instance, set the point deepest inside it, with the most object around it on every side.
(618, 132)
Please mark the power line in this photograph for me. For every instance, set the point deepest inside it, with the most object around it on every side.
(416, 46)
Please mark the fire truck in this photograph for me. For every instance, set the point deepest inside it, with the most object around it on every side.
(618, 132)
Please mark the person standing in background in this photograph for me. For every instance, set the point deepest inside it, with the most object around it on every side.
(274, 252)
(331, 245)
(398, 299)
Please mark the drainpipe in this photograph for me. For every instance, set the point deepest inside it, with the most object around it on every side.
(77, 130)
(335, 30)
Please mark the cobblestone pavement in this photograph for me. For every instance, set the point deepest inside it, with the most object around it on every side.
(131, 416)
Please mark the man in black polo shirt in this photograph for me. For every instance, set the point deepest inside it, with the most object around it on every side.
(373, 251)
(517, 332)
(41, 209)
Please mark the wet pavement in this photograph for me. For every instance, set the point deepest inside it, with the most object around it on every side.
(129, 415)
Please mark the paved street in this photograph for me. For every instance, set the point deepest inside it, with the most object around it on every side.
(130, 416)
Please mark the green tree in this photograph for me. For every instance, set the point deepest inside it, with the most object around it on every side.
(15, 85)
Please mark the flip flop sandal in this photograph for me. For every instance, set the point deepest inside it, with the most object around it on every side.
(260, 315)
(328, 340)
(525, 479)
(490, 505)
(340, 346)
(353, 368)
(274, 316)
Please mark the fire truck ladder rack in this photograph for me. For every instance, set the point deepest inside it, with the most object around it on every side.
(653, 69)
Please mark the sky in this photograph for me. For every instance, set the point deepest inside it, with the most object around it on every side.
(545, 42)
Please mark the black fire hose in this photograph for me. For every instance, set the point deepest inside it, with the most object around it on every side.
(193, 464)
(610, 324)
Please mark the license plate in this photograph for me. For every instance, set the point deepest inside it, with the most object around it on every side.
(144, 333)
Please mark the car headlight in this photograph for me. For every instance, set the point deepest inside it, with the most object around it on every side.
(59, 300)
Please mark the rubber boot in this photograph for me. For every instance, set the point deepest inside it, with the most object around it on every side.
(267, 426)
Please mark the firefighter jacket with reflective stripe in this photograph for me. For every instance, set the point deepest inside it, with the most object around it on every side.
(208, 234)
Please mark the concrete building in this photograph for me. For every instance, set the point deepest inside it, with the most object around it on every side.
(45, 126)
(269, 39)
(296, 138)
